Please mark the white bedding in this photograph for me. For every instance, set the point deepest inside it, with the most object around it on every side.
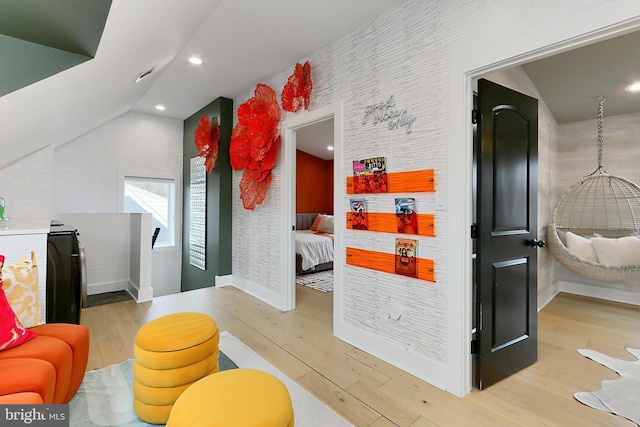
(313, 248)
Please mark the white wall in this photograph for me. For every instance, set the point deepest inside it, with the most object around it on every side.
(88, 171)
(107, 245)
(83, 177)
(424, 54)
(27, 186)
(140, 268)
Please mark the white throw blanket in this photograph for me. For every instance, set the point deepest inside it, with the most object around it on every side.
(313, 248)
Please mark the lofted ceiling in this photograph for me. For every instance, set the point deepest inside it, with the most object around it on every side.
(240, 42)
(571, 81)
(41, 38)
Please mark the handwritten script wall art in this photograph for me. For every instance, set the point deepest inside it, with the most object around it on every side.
(385, 112)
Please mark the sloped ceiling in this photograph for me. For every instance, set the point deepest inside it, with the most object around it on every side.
(240, 42)
(40, 38)
(570, 82)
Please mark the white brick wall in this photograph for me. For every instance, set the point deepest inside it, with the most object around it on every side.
(418, 52)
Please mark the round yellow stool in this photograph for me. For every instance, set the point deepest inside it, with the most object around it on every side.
(170, 354)
(236, 397)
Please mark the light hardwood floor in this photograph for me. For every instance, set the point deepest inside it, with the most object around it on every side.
(370, 392)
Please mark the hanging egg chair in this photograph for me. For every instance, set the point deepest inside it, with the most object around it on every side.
(600, 215)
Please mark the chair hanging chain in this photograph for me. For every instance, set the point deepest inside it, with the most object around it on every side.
(600, 137)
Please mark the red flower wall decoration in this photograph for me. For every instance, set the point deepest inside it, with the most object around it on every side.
(207, 140)
(254, 144)
(297, 91)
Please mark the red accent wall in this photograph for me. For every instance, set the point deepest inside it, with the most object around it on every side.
(314, 183)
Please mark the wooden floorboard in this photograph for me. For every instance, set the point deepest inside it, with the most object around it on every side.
(370, 392)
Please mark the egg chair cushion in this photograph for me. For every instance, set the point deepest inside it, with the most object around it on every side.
(581, 246)
(617, 252)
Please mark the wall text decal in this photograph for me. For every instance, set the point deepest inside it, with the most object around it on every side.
(385, 112)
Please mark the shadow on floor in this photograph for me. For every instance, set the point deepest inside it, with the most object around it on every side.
(107, 298)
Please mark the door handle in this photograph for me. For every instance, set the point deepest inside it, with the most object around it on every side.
(536, 243)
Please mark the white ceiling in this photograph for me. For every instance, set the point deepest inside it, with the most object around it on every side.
(315, 138)
(240, 42)
(570, 82)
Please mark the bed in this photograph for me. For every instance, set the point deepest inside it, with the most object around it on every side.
(314, 249)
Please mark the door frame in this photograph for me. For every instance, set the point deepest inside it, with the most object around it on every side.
(288, 207)
(460, 192)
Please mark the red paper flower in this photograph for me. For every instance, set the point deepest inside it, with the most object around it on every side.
(254, 144)
(239, 147)
(207, 140)
(253, 187)
(297, 91)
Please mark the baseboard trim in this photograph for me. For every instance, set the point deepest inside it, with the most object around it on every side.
(609, 294)
(429, 370)
(546, 296)
(252, 288)
(140, 295)
(101, 288)
(222, 281)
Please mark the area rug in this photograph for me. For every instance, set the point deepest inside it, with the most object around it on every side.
(105, 397)
(619, 396)
(321, 281)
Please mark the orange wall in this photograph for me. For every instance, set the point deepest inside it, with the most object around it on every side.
(314, 183)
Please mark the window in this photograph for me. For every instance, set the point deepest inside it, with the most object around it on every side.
(157, 197)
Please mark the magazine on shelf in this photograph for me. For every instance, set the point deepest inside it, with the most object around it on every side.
(370, 175)
(359, 214)
(406, 216)
(406, 262)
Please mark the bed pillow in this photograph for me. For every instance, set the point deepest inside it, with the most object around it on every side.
(21, 286)
(12, 333)
(326, 225)
(581, 246)
(316, 222)
(618, 252)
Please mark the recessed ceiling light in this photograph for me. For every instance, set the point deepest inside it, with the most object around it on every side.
(195, 60)
(330, 147)
(634, 87)
(160, 107)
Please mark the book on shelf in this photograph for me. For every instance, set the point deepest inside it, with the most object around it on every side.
(406, 262)
(370, 175)
(406, 216)
(359, 214)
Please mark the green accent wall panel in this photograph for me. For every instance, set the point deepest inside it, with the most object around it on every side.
(218, 200)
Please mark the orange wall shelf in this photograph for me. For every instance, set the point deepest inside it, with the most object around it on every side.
(385, 262)
(386, 222)
(405, 182)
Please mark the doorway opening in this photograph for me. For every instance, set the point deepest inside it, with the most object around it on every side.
(314, 209)
(307, 135)
(495, 72)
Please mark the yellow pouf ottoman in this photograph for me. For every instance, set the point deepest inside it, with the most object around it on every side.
(170, 354)
(236, 397)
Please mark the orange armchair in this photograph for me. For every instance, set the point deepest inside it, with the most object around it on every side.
(46, 369)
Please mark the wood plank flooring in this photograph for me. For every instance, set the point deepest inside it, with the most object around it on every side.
(370, 392)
